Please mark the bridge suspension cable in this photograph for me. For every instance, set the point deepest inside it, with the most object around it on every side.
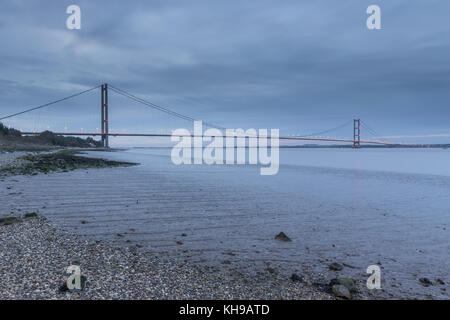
(369, 129)
(50, 103)
(160, 108)
(326, 131)
(372, 131)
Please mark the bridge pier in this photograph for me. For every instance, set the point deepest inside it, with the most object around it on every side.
(104, 121)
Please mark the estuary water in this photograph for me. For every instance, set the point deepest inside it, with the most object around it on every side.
(389, 207)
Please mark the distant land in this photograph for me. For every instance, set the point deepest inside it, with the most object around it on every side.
(443, 146)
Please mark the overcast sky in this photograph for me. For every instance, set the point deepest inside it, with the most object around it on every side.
(301, 66)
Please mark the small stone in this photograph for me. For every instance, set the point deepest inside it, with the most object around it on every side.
(425, 281)
(63, 288)
(335, 266)
(346, 282)
(341, 291)
(282, 237)
(296, 278)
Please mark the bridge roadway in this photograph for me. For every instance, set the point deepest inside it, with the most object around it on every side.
(180, 135)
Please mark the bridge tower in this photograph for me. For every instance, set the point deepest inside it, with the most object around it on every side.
(105, 126)
(356, 133)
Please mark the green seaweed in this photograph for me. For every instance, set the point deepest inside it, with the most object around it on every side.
(30, 215)
(9, 220)
(61, 161)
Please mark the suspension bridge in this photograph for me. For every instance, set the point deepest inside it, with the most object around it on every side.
(356, 141)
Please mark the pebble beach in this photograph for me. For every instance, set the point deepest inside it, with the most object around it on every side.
(34, 256)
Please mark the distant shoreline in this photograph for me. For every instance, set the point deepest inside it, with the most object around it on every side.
(363, 146)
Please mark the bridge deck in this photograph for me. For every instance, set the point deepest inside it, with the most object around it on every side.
(180, 135)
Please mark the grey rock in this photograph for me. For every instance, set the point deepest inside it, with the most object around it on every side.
(335, 266)
(425, 281)
(347, 282)
(341, 291)
(282, 237)
(296, 278)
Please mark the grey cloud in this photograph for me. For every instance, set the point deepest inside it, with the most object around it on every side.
(291, 64)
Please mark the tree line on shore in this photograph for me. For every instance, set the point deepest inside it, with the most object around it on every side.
(46, 138)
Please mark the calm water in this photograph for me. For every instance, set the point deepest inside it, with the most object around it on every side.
(359, 207)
